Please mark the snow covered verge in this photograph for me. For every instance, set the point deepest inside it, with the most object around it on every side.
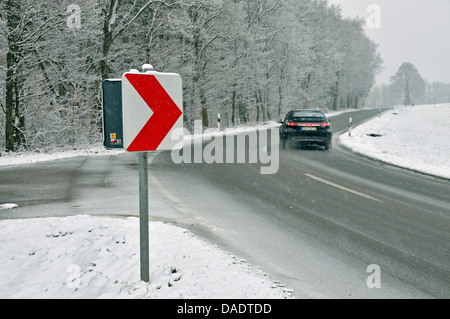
(36, 157)
(98, 257)
(416, 138)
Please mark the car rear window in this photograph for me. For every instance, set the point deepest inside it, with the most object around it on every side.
(307, 117)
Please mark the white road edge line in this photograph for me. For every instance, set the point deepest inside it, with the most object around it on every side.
(342, 187)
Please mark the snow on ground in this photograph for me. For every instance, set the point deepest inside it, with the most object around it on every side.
(7, 206)
(35, 157)
(98, 257)
(416, 137)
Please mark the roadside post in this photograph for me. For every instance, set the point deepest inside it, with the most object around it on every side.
(350, 124)
(151, 110)
(143, 217)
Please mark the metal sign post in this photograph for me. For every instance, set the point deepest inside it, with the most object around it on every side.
(143, 216)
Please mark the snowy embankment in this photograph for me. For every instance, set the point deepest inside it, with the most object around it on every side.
(98, 257)
(36, 157)
(416, 138)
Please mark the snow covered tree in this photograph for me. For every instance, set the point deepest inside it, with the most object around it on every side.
(11, 13)
(437, 92)
(26, 25)
(410, 83)
(383, 96)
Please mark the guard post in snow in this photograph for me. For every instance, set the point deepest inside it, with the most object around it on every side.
(350, 124)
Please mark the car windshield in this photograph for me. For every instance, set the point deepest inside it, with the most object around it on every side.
(307, 117)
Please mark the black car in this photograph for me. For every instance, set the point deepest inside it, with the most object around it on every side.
(306, 127)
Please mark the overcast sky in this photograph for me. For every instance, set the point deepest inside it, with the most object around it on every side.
(415, 31)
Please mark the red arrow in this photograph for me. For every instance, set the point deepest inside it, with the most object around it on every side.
(165, 112)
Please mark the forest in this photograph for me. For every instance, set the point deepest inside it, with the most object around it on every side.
(248, 60)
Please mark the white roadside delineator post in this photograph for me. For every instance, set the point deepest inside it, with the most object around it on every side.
(350, 124)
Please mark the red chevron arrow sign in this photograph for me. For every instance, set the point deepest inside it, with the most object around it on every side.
(152, 108)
